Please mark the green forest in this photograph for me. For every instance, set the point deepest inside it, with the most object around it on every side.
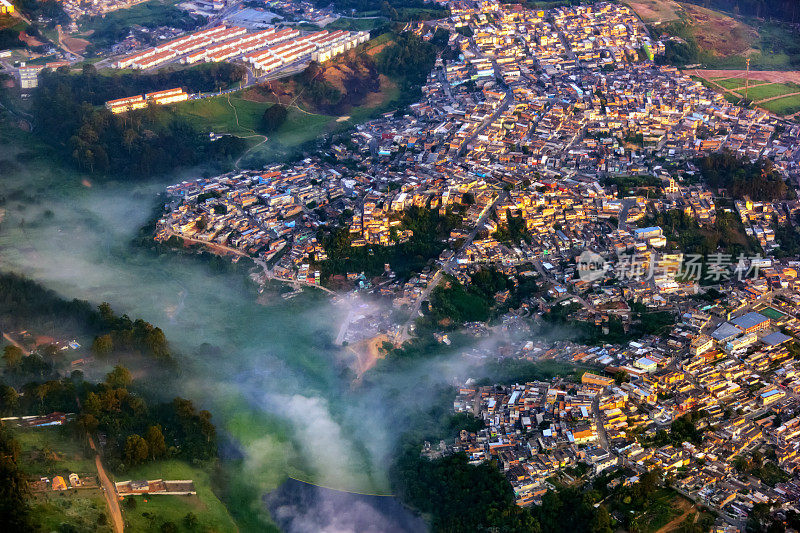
(25, 304)
(134, 144)
(406, 258)
(781, 10)
(453, 303)
(757, 180)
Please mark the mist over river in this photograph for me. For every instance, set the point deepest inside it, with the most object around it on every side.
(267, 369)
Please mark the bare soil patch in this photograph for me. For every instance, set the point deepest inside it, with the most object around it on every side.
(771, 76)
(75, 44)
(655, 11)
(719, 33)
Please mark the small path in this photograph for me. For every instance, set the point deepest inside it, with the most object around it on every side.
(673, 524)
(264, 137)
(7, 337)
(63, 44)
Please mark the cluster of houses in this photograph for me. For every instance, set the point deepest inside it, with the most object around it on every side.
(168, 96)
(265, 215)
(76, 9)
(179, 487)
(556, 113)
(303, 11)
(266, 49)
(729, 365)
(519, 141)
(72, 481)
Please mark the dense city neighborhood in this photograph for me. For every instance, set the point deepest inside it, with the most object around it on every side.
(540, 137)
(446, 265)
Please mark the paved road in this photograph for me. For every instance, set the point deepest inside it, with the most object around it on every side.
(491, 118)
(598, 420)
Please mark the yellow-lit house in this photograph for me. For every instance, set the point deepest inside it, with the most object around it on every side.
(6, 7)
(59, 483)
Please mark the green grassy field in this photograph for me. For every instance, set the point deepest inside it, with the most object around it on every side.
(355, 24)
(13, 23)
(784, 106)
(730, 83)
(140, 14)
(53, 451)
(150, 515)
(84, 509)
(777, 48)
(664, 506)
(56, 451)
(770, 91)
(217, 114)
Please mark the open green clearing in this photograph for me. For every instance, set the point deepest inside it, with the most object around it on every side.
(52, 451)
(217, 114)
(355, 24)
(58, 451)
(777, 48)
(664, 506)
(784, 106)
(146, 516)
(732, 83)
(770, 91)
(12, 23)
(141, 14)
(84, 509)
(779, 106)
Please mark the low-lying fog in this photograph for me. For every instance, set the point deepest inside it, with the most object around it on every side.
(278, 387)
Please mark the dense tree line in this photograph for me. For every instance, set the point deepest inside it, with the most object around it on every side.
(614, 330)
(138, 432)
(682, 429)
(391, 9)
(126, 334)
(429, 229)
(44, 362)
(14, 509)
(50, 10)
(137, 143)
(740, 177)
(788, 238)
(454, 303)
(23, 301)
(462, 497)
(513, 230)
(685, 234)
(273, 118)
(409, 57)
(782, 10)
(89, 86)
(683, 50)
(9, 38)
